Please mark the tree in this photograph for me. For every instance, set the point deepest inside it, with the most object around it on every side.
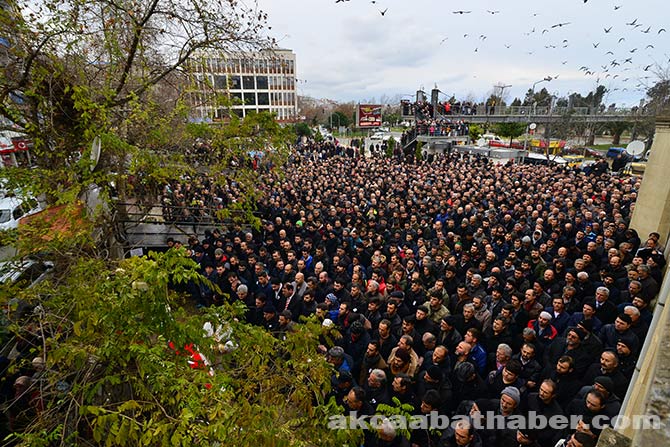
(338, 119)
(392, 118)
(131, 364)
(539, 98)
(510, 130)
(659, 96)
(303, 130)
(75, 70)
(616, 129)
(125, 72)
(475, 131)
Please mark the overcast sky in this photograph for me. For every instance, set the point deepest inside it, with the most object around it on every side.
(348, 51)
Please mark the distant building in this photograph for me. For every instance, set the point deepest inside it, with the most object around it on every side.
(261, 81)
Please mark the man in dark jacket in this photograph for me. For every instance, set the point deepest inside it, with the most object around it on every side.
(571, 346)
(462, 434)
(543, 403)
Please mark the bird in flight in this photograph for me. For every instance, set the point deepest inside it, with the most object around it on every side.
(621, 39)
(595, 45)
(476, 49)
(617, 7)
(633, 50)
(461, 12)
(492, 12)
(482, 37)
(607, 30)
(508, 46)
(662, 30)
(632, 23)
(564, 62)
(340, 1)
(648, 46)
(383, 12)
(647, 30)
(443, 40)
(648, 67)
(558, 25)
(609, 52)
(545, 31)
(629, 60)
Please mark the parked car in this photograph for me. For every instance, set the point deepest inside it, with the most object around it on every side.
(13, 208)
(585, 151)
(613, 151)
(26, 272)
(381, 136)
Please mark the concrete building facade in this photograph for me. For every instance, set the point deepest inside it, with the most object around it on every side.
(254, 82)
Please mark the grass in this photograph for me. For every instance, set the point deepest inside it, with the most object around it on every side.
(601, 147)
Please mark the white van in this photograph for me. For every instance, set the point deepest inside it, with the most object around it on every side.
(14, 208)
(491, 137)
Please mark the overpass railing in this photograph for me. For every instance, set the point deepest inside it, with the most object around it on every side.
(550, 111)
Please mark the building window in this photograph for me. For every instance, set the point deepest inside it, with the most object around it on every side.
(263, 99)
(236, 98)
(250, 99)
(235, 82)
(262, 82)
(220, 82)
(248, 82)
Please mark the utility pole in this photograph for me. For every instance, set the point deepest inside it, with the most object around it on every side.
(502, 88)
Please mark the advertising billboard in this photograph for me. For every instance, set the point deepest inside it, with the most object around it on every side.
(369, 115)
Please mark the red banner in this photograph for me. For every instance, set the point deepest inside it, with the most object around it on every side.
(369, 115)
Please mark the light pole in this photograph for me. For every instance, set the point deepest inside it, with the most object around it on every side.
(545, 79)
(502, 91)
(532, 93)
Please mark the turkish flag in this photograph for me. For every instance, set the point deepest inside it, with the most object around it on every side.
(20, 145)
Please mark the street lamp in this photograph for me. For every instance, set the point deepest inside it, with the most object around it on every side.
(545, 79)
(502, 88)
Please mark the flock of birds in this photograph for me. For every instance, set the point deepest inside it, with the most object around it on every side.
(620, 66)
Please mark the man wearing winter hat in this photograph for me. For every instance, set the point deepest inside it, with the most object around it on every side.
(506, 406)
(610, 334)
(570, 345)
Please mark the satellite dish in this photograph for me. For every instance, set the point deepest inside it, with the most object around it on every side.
(635, 148)
(96, 147)
(481, 142)
(532, 126)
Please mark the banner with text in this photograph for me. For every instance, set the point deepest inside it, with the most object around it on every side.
(369, 115)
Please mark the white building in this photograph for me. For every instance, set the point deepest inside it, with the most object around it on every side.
(261, 81)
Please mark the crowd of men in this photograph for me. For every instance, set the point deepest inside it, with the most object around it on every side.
(457, 286)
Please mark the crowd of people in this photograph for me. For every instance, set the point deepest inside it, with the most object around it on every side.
(457, 286)
(442, 127)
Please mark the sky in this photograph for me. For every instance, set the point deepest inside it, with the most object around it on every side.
(349, 51)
